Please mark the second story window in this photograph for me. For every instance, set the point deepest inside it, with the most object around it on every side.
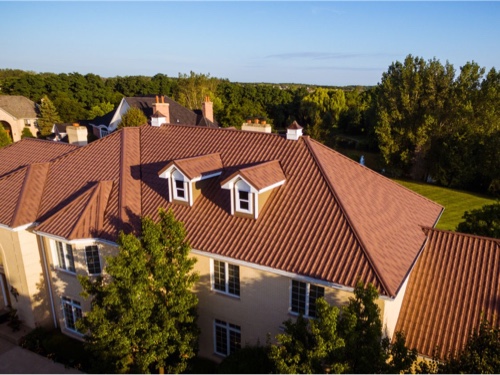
(303, 298)
(243, 197)
(226, 278)
(65, 257)
(179, 186)
(93, 261)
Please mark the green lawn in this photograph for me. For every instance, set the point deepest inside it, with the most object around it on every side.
(455, 202)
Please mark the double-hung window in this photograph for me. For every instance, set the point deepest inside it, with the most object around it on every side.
(93, 261)
(179, 186)
(65, 257)
(227, 337)
(303, 298)
(243, 197)
(226, 278)
(72, 313)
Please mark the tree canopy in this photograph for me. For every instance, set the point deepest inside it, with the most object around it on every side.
(133, 117)
(482, 222)
(48, 117)
(143, 314)
(4, 137)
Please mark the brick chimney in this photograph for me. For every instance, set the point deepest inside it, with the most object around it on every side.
(208, 109)
(163, 109)
(77, 135)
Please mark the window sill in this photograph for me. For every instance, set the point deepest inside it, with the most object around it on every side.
(225, 294)
(62, 270)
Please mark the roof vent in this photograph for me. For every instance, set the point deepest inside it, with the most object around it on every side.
(294, 131)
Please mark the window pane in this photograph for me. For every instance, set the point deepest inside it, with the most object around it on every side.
(69, 258)
(234, 279)
(234, 339)
(219, 276)
(220, 339)
(93, 262)
(315, 292)
(60, 254)
(179, 188)
(298, 297)
(243, 200)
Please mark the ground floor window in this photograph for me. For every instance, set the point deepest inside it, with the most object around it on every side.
(72, 313)
(304, 296)
(227, 337)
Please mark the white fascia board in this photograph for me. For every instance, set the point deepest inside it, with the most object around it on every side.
(275, 271)
(79, 241)
(205, 177)
(167, 172)
(17, 229)
(270, 187)
(230, 184)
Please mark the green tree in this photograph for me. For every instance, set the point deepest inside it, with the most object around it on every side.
(143, 313)
(48, 116)
(4, 137)
(484, 221)
(309, 346)
(100, 110)
(192, 89)
(481, 354)
(133, 117)
(26, 133)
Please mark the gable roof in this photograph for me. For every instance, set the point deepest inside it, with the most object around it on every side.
(30, 150)
(308, 227)
(18, 106)
(455, 283)
(198, 166)
(260, 175)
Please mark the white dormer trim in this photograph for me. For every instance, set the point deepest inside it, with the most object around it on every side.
(178, 176)
(242, 186)
(253, 196)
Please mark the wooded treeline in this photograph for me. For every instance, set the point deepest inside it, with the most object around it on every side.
(425, 119)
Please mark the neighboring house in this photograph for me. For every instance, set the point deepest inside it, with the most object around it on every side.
(17, 113)
(455, 284)
(274, 221)
(158, 110)
(59, 133)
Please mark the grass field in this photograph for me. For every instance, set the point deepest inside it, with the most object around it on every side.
(455, 202)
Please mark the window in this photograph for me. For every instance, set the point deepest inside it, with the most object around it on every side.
(93, 261)
(226, 278)
(65, 256)
(104, 132)
(72, 313)
(179, 186)
(243, 197)
(27, 122)
(227, 337)
(304, 296)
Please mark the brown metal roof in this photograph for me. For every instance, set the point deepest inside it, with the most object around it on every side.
(30, 150)
(18, 106)
(455, 283)
(197, 166)
(261, 175)
(309, 226)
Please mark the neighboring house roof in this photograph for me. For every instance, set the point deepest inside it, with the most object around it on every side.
(61, 127)
(101, 120)
(178, 113)
(455, 284)
(28, 151)
(18, 106)
(309, 226)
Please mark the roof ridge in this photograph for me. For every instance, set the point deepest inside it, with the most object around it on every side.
(307, 141)
(378, 174)
(222, 129)
(461, 234)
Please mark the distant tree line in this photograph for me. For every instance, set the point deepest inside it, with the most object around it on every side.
(425, 119)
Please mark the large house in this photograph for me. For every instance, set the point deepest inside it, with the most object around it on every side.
(158, 110)
(17, 113)
(274, 221)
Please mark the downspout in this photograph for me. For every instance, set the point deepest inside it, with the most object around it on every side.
(48, 281)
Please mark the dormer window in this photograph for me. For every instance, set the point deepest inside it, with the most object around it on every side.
(243, 197)
(180, 188)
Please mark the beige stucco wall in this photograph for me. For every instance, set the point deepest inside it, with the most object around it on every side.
(66, 284)
(23, 268)
(260, 310)
(17, 125)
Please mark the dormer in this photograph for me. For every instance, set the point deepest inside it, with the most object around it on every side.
(294, 131)
(186, 176)
(158, 119)
(251, 187)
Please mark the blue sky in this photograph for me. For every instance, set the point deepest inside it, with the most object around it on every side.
(328, 43)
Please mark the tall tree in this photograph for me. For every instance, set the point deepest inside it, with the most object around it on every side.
(4, 137)
(133, 117)
(48, 116)
(144, 313)
(193, 88)
(482, 222)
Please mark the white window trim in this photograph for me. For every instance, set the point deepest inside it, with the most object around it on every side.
(99, 256)
(228, 328)
(307, 296)
(74, 305)
(185, 186)
(55, 256)
(226, 279)
(237, 200)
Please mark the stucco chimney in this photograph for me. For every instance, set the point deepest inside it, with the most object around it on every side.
(208, 109)
(163, 109)
(294, 131)
(77, 135)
